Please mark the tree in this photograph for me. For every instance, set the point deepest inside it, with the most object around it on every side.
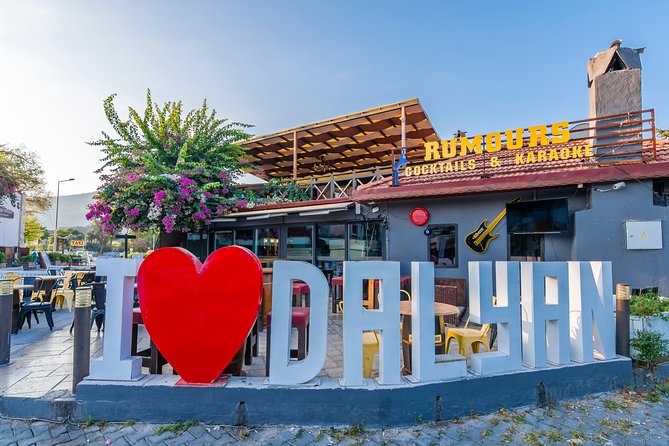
(22, 173)
(663, 133)
(34, 231)
(165, 171)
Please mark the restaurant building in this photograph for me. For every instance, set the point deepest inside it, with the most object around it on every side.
(383, 185)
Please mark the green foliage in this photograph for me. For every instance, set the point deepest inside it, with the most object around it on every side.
(27, 259)
(648, 304)
(649, 345)
(176, 428)
(3, 257)
(278, 191)
(662, 133)
(166, 171)
(33, 230)
(21, 173)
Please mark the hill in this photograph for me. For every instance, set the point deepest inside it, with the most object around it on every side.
(71, 212)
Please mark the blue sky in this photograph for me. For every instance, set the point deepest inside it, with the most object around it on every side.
(476, 66)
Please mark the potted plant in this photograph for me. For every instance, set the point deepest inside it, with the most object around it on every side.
(3, 259)
(27, 261)
(649, 312)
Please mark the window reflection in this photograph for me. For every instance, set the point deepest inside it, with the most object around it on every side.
(365, 242)
(331, 247)
(443, 245)
(267, 242)
(222, 239)
(244, 237)
(299, 243)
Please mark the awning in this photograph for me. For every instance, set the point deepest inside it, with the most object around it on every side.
(360, 140)
(303, 211)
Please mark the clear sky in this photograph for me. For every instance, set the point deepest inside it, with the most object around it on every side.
(475, 66)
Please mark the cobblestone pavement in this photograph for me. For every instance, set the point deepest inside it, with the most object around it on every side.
(625, 417)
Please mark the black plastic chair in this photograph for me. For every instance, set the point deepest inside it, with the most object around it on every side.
(33, 306)
(98, 304)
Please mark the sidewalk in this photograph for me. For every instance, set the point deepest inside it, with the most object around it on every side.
(627, 417)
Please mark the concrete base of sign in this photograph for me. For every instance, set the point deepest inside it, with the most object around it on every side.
(156, 399)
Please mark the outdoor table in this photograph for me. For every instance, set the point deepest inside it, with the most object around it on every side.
(440, 310)
(338, 285)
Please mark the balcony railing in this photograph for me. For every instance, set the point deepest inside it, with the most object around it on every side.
(341, 185)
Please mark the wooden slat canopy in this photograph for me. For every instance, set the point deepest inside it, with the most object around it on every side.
(356, 141)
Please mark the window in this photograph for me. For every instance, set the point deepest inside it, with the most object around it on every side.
(244, 237)
(196, 243)
(299, 243)
(526, 247)
(222, 239)
(443, 245)
(331, 247)
(267, 242)
(365, 241)
(661, 192)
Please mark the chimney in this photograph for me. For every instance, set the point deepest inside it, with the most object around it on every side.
(614, 80)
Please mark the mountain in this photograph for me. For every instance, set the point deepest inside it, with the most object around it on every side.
(72, 211)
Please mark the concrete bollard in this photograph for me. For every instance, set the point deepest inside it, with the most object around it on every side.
(6, 301)
(623, 319)
(82, 335)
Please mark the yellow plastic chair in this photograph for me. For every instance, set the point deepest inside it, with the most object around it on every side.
(15, 278)
(370, 347)
(64, 294)
(468, 337)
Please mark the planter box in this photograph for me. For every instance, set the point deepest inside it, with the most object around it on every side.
(650, 323)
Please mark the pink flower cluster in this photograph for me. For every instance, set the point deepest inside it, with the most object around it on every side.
(168, 222)
(158, 197)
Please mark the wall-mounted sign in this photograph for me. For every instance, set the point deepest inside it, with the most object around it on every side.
(419, 216)
(439, 154)
(6, 213)
(77, 243)
(479, 240)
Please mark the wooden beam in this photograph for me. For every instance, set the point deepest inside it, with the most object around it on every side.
(295, 155)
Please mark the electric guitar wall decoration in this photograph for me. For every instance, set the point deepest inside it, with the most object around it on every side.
(479, 240)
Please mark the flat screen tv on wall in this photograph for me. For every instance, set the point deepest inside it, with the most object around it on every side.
(537, 217)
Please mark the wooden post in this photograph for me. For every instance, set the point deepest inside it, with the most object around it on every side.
(403, 120)
(294, 155)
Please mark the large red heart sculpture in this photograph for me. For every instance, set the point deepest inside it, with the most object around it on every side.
(199, 315)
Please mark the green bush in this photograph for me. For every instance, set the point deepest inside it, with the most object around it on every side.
(649, 345)
(27, 259)
(648, 304)
(3, 257)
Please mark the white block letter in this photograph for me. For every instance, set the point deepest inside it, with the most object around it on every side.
(386, 320)
(116, 362)
(423, 366)
(591, 311)
(282, 370)
(545, 303)
(506, 314)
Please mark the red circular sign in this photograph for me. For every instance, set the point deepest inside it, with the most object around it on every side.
(419, 216)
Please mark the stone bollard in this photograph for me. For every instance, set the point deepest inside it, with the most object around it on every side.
(6, 301)
(623, 319)
(82, 335)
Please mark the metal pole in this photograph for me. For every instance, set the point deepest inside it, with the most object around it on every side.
(55, 228)
(6, 298)
(623, 319)
(82, 335)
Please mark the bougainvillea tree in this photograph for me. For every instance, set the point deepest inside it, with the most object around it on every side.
(21, 173)
(167, 171)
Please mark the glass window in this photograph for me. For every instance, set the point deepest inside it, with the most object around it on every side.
(365, 241)
(222, 239)
(267, 242)
(244, 237)
(526, 247)
(299, 244)
(331, 248)
(443, 247)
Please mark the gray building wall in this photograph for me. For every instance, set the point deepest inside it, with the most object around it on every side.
(597, 230)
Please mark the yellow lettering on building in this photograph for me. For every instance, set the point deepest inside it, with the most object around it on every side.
(560, 132)
(538, 136)
(588, 150)
(493, 142)
(553, 155)
(449, 148)
(474, 146)
(471, 164)
(431, 151)
(541, 156)
(516, 142)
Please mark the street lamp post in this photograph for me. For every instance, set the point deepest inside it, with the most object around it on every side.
(55, 228)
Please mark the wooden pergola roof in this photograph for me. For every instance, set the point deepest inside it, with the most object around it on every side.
(357, 141)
